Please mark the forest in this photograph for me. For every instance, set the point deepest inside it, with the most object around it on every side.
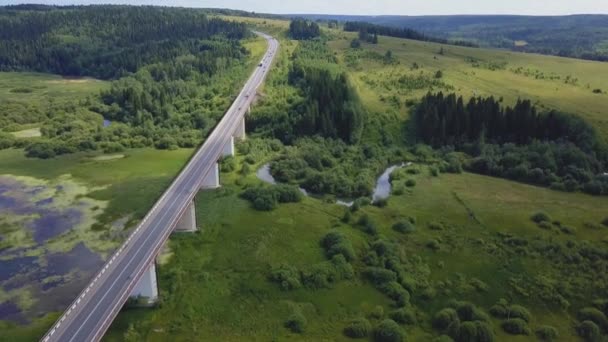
(545, 148)
(104, 42)
(302, 29)
(173, 72)
(366, 29)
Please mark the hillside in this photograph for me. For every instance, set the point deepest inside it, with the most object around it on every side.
(580, 36)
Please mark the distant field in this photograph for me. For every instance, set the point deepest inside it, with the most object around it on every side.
(30, 87)
(482, 72)
(563, 84)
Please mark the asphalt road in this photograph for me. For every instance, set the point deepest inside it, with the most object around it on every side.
(90, 315)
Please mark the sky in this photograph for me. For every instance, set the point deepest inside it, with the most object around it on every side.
(371, 7)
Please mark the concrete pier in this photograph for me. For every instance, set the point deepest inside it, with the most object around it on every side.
(147, 286)
(187, 223)
(239, 133)
(212, 179)
(229, 148)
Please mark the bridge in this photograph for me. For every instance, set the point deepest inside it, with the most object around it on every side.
(131, 271)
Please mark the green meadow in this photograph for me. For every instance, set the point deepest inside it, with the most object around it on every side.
(216, 285)
(31, 87)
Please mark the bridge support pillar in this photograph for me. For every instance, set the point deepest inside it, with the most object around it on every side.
(146, 286)
(229, 148)
(187, 223)
(212, 179)
(240, 130)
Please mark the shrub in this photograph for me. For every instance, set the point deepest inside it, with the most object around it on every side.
(396, 292)
(347, 216)
(447, 320)
(568, 230)
(515, 326)
(546, 333)
(410, 183)
(287, 276)
(388, 331)
(250, 160)
(379, 275)
(545, 225)
(469, 312)
(475, 331)
(434, 171)
(245, 169)
(589, 331)
(336, 243)
(227, 164)
(404, 227)
(403, 316)
(518, 311)
(597, 91)
(381, 203)
(434, 245)
(594, 315)
(296, 322)
(287, 193)
(264, 202)
(435, 225)
(605, 222)
(377, 312)
(358, 328)
(540, 217)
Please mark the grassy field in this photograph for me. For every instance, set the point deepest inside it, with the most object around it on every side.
(33, 87)
(476, 72)
(216, 286)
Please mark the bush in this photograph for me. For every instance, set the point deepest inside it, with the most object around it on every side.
(515, 326)
(594, 315)
(447, 320)
(410, 183)
(287, 193)
(287, 276)
(545, 225)
(403, 316)
(475, 331)
(379, 275)
(404, 227)
(546, 333)
(518, 311)
(589, 331)
(568, 230)
(381, 203)
(605, 222)
(434, 245)
(434, 171)
(377, 312)
(540, 217)
(435, 225)
(358, 328)
(336, 243)
(296, 323)
(227, 164)
(388, 331)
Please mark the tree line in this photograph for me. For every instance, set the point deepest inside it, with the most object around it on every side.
(550, 148)
(302, 29)
(367, 30)
(102, 41)
(332, 107)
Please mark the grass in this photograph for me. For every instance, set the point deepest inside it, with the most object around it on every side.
(514, 76)
(215, 285)
(31, 87)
